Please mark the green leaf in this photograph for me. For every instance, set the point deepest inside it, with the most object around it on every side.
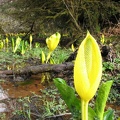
(91, 114)
(73, 103)
(102, 99)
(108, 115)
(68, 95)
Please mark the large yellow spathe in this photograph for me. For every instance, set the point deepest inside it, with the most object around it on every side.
(52, 41)
(87, 68)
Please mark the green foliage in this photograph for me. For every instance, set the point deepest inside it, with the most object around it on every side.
(68, 95)
(51, 103)
(73, 103)
(111, 72)
(60, 55)
(108, 66)
(101, 99)
(109, 115)
(2, 116)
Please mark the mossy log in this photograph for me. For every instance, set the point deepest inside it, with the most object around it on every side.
(39, 69)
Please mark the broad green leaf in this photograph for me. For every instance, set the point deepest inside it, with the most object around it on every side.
(68, 95)
(108, 115)
(73, 103)
(102, 99)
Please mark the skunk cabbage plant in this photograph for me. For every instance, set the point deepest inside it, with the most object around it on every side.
(87, 71)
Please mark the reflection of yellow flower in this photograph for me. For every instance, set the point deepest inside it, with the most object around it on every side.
(88, 68)
(53, 40)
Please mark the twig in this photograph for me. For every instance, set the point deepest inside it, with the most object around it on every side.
(74, 20)
(55, 116)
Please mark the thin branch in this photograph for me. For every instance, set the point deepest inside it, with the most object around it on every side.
(74, 20)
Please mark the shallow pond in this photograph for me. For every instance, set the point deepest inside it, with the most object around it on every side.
(23, 89)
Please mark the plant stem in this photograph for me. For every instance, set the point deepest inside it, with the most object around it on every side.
(49, 55)
(84, 110)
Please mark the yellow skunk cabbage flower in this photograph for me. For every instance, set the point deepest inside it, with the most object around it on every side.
(31, 39)
(88, 68)
(52, 41)
(43, 57)
(87, 71)
(1, 44)
(18, 40)
(7, 41)
(72, 47)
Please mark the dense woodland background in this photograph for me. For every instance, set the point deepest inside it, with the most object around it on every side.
(70, 17)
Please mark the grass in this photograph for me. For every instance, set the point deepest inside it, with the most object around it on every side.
(10, 59)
